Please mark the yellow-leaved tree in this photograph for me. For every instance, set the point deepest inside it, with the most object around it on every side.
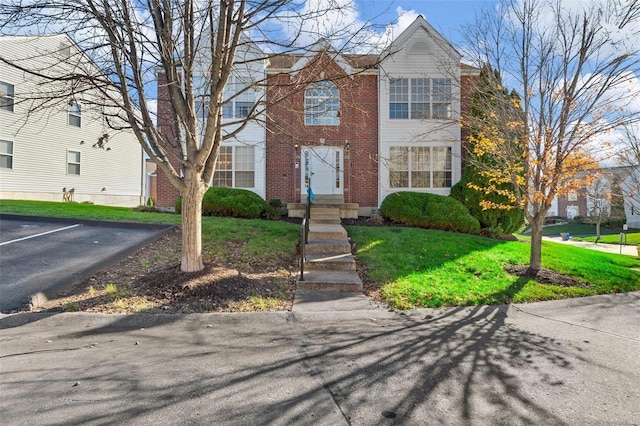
(575, 68)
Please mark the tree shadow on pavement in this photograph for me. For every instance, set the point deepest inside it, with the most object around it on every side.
(465, 365)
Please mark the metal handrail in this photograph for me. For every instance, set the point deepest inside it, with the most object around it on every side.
(304, 236)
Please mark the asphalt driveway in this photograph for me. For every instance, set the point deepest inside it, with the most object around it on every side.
(41, 256)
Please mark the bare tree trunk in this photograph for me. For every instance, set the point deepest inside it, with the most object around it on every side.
(535, 256)
(192, 222)
(598, 230)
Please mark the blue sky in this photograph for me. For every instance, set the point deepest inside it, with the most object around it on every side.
(446, 16)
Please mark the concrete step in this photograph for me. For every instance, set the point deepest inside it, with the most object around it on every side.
(325, 221)
(322, 231)
(342, 281)
(328, 247)
(347, 210)
(326, 199)
(322, 212)
(333, 262)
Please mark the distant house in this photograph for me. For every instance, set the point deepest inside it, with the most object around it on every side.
(611, 194)
(631, 188)
(355, 128)
(54, 146)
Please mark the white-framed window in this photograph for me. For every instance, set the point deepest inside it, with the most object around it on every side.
(322, 104)
(572, 196)
(75, 114)
(73, 162)
(235, 168)
(398, 98)
(419, 98)
(6, 154)
(239, 98)
(420, 167)
(6, 96)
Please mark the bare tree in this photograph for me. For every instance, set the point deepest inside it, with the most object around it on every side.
(198, 47)
(629, 157)
(573, 69)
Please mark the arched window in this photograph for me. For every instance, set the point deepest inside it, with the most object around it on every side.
(322, 104)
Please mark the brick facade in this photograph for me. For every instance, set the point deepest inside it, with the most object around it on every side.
(357, 132)
(166, 192)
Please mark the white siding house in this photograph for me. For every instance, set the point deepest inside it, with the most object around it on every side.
(61, 144)
(241, 162)
(419, 112)
(631, 188)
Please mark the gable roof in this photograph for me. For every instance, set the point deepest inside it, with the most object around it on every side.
(294, 62)
(420, 25)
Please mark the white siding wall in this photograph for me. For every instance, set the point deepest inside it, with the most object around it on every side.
(41, 141)
(631, 205)
(248, 68)
(420, 56)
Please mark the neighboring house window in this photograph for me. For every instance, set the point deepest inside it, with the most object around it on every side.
(430, 98)
(73, 163)
(420, 167)
(6, 154)
(322, 104)
(75, 114)
(6, 96)
(572, 196)
(235, 168)
(239, 99)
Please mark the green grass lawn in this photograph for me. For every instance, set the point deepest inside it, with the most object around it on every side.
(579, 229)
(264, 242)
(427, 268)
(583, 232)
(413, 267)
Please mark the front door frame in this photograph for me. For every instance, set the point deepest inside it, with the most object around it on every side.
(332, 175)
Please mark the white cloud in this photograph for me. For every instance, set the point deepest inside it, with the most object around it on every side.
(340, 23)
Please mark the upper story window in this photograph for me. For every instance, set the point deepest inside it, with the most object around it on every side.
(322, 104)
(75, 114)
(6, 154)
(6, 96)
(419, 98)
(239, 99)
(73, 163)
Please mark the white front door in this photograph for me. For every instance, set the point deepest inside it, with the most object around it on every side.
(322, 166)
(572, 211)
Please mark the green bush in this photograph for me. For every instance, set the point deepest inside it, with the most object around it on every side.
(272, 210)
(429, 211)
(494, 222)
(229, 202)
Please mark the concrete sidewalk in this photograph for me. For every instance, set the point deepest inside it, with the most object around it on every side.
(629, 250)
(563, 362)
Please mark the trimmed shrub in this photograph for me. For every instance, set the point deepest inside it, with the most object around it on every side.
(229, 202)
(432, 211)
(272, 210)
(495, 222)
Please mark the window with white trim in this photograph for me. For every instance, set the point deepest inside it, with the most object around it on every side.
(73, 162)
(6, 154)
(419, 98)
(235, 168)
(75, 114)
(420, 167)
(322, 104)
(239, 99)
(572, 196)
(6, 96)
